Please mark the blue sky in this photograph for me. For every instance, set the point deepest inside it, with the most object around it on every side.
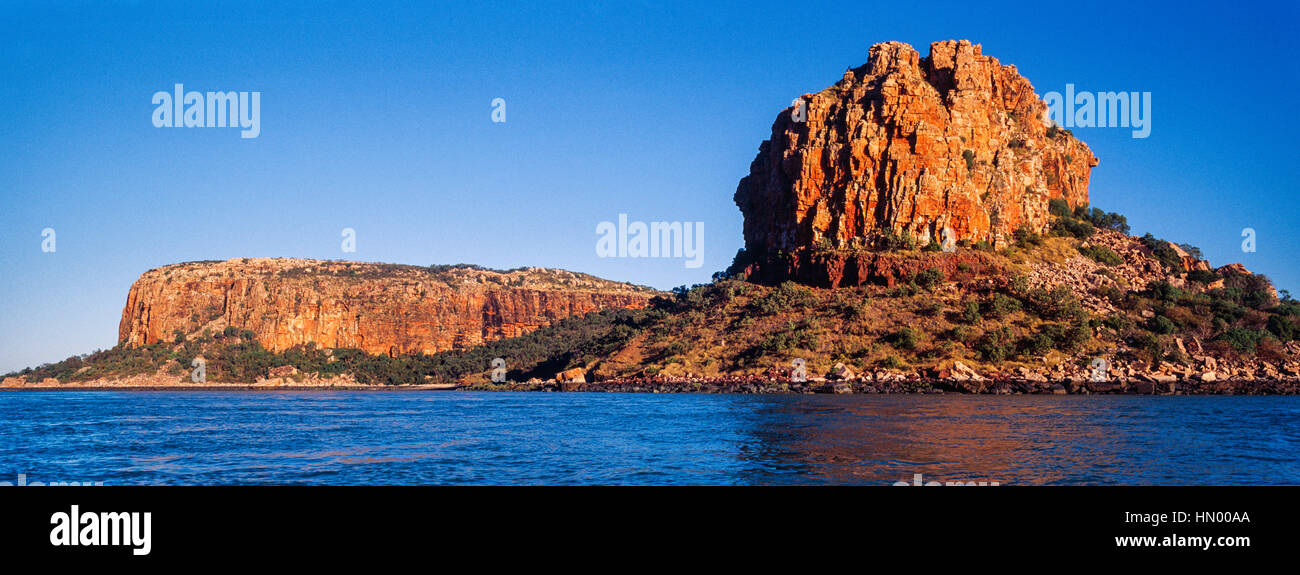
(378, 118)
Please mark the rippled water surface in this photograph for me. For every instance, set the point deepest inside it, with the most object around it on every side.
(403, 437)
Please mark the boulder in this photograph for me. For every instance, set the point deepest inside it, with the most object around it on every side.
(1102, 386)
(1030, 375)
(962, 372)
(889, 375)
(841, 372)
(575, 375)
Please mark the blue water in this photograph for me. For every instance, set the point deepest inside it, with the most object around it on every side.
(417, 438)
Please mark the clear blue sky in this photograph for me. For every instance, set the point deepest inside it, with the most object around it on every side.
(378, 118)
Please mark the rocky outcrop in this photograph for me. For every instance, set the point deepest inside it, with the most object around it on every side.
(1187, 262)
(953, 141)
(854, 268)
(379, 308)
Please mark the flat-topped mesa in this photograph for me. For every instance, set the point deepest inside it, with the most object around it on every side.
(908, 144)
(379, 308)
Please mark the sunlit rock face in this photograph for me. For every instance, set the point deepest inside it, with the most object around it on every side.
(953, 144)
(379, 308)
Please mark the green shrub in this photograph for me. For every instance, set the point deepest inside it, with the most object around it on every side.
(1241, 339)
(930, 278)
(1161, 325)
(1262, 299)
(1101, 254)
(1163, 251)
(1019, 285)
(1026, 238)
(1070, 227)
(1036, 345)
(1059, 303)
(906, 338)
(786, 297)
(1075, 223)
(1118, 322)
(1283, 327)
(904, 290)
(1162, 291)
(1059, 207)
(793, 337)
(890, 241)
(1108, 221)
(1069, 337)
(1148, 345)
(996, 345)
(1001, 306)
(689, 298)
(961, 333)
(855, 310)
(891, 362)
(1287, 308)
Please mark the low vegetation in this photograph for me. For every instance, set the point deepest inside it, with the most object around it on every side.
(233, 356)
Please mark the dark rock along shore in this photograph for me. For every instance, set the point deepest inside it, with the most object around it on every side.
(759, 385)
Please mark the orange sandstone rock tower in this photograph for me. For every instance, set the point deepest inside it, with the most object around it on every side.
(954, 140)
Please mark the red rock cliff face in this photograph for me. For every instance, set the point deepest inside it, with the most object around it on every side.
(909, 144)
(847, 268)
(379, 308)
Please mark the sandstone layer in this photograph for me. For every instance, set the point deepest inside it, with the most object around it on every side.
(831, 269)
(379, 308)
(952, 144)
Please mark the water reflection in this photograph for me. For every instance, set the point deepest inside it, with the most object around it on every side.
(1023, 440)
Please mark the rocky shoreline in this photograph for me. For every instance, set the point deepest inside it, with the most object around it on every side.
(160, 382)
(746, 386)
(763, 385)
(736, 385)
(228, 387)
(957, 378)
